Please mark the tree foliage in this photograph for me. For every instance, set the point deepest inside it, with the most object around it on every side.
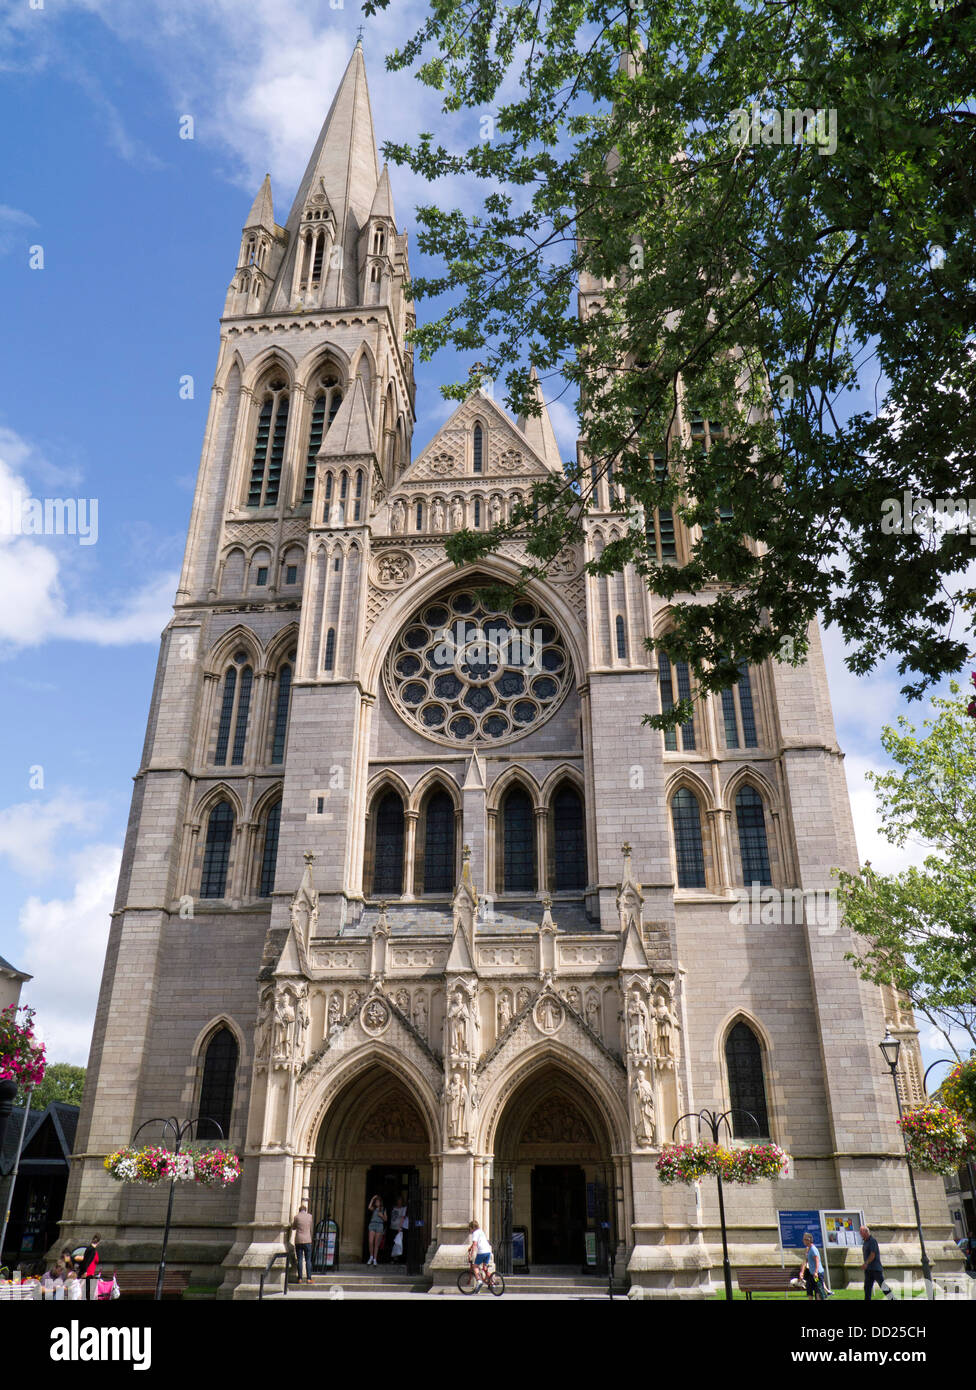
(917, 928)
(815, 293)
(62, 1081)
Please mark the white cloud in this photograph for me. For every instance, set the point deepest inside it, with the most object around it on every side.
(35, 607)
(64, 942)
(14, 229)
(29, 829)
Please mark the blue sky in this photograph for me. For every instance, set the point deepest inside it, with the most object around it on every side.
(140, 232)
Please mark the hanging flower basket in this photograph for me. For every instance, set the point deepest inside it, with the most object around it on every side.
(690, 1163)
(753, 1164)
(152, 1164)
(687, 1162)
(936, 1139)
(21, 1055)
(217, 1168)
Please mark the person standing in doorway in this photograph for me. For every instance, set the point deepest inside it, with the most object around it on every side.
(377, 1225)
(873, 1269)
(398, 1224)
(811, 1270)
(302, 1226)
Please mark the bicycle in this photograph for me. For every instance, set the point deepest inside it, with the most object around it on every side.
(468, 1281)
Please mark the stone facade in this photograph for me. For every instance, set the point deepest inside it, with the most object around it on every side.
(441, 917)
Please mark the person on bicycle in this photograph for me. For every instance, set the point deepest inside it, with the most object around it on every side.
(479, 1252)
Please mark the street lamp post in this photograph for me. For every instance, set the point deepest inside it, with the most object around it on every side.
(890, 1048)
(180, 1130)
(714, 1122)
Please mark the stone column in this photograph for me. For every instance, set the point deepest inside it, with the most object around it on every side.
(409, 852)
(474, 818)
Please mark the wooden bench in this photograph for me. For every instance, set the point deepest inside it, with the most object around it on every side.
(765, 1279)
(141, 1283)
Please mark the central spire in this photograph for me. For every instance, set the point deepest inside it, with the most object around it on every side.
(344, 166)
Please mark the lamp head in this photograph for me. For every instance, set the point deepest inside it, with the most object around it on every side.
(890, 1048)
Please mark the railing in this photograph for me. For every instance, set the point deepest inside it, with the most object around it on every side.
(281, 1255)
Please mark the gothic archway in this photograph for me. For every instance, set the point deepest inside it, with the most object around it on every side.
(553, 1167)
(374, 1139)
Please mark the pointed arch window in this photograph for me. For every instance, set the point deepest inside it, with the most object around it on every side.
(281, 714)
(439, 843)
(519, 842)
(388, 846)
(660, 532)
(478, 444)
(671, 675)
(235, 704)
(269, 447)
(358, 505)
(330, 641)
(569, 840)
(739, 713)
(420, 516)
(269, 851)
(216, 853)
(747, 1086)
(688, 850)
(621, 632)
(217, 1088)
(753, 846)
(325, 407)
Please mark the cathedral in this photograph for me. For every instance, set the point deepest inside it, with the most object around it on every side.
(411, 901)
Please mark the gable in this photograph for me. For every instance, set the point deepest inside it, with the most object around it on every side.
(508, 454)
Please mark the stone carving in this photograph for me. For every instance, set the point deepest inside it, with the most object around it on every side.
(304, 916)
(495, 510)
(375, 1015)
(663, 1026)
(458, 1019)
(638, 1026)
(645, 1130)
(402, 1001)
(593, 1012)
(574, 998)
(504, 1011)
(509, 462)
(437, 515)
(392, 568)
(557, 1121)
(440, 466)
(265, 1025)
(588, 955)
(457, 1109)
(397, 517)
(522, 998)
(284, 1024)
(355, 998)
(339, 960)
(334, 1015)
(393, 1121)
(406, 958)
(420, 1013)
(549, 1014)
(563, 566)
(506, 955)
(457, 514)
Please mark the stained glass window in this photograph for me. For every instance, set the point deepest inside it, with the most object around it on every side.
(388, 857)
(216, 854)
(217, 1090)
(519, 839)
(686, 820)
(569, 840)
(439, 844)
(269, 856)
(747, 1091)
(753, 847)
(281, 715)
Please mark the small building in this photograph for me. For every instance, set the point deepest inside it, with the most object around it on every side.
(42, 1180)
(12, 981)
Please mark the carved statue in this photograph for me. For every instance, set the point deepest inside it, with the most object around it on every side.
(593, 1013)
(458, 1016)
(284, 1018)
(420, 1014)
(638, 1028)
(265, 1025)
(574, 999)
(457, 1101)
(663, 1025)
(437, 515)
(644, 1126)
(495, 510)
(504, 1011)
(335, 1013)
(550, 1013)
(397, 517)
(457, 514)
(392, 569)
(355, 999)
(522, 998)
(402, 1001)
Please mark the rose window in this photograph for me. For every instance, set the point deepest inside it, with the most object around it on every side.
(462, 672)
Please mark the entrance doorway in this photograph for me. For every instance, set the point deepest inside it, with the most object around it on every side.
(389, 1180)
(558, 1214)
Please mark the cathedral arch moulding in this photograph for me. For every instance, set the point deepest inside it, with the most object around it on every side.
(265, 363)
(322, 1087)
(322, 356)
(589, 1084)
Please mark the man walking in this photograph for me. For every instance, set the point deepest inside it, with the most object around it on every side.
(812, 1270)
(302, 1226)
(873, 1270)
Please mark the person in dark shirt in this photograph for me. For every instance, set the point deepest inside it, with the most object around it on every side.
(873, 1270)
